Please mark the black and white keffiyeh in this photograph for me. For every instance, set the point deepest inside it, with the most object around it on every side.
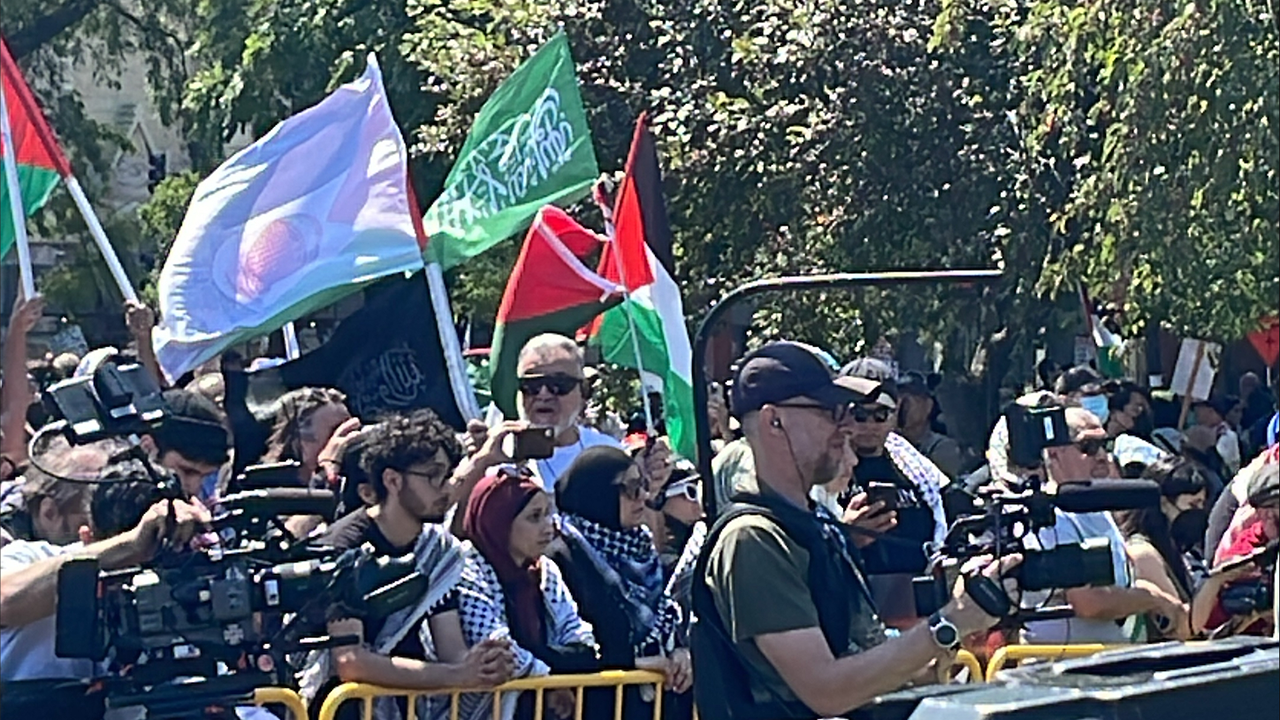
(629, 562)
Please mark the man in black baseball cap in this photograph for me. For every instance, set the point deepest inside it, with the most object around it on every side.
(781, 605)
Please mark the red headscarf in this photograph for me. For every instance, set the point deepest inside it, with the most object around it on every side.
(492, 509)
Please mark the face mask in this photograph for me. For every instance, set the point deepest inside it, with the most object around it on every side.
(1189, 527)
(1096, 404)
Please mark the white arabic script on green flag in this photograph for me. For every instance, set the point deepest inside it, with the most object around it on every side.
(529, 147)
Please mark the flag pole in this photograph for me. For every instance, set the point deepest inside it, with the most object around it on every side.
(292, 350)
(453, 360)
(15, 202)
(100, 237)
(598, 195)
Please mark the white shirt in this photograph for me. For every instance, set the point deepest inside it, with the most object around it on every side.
(26, 651)
(549, 471)
(1072, 528)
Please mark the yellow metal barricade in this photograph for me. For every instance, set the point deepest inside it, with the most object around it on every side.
(967, 660)
(1018, 653)
(282, 696)
(617, 679)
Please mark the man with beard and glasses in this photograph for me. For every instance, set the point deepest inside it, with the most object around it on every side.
(409, 461)
(891, 467)
(785, 626)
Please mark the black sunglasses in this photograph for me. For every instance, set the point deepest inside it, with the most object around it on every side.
(1091, 446)
(559, 385)
(634, 489)
(880, 414)
(838, 412)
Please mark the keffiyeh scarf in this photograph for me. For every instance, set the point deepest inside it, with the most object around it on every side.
(628, 562)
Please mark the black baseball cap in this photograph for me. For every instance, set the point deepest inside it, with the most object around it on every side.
(1079, 379)
(913, 382)
(880, 375)
(780, 371)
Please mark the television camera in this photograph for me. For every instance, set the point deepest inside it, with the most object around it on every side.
(1000, 521)
(197, 629)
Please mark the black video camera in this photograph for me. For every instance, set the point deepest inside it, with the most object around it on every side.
(114, 401)
(1000, 528)
(229, 615)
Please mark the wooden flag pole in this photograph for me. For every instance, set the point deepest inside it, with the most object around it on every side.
(1191, 386)
(17, 211)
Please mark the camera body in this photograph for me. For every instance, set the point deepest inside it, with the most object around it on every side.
(114, 401)
(1248, 597)
(1000, 529)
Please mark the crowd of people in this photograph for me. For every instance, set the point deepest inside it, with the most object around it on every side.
(832, 482)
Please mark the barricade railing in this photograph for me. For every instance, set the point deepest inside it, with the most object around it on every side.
(618, 679)
(969, 661)
(1017, 653)
(281, 696)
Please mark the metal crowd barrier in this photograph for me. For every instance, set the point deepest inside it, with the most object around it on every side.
(281, 696)
(618, 679)
(967, 660)
(1017, 653)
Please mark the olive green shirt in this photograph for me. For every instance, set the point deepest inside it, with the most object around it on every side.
(759, 577)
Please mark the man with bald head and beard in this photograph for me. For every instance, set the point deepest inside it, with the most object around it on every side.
(1112, 614)
(785, 626)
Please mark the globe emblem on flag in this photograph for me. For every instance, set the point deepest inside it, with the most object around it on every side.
(281, 248)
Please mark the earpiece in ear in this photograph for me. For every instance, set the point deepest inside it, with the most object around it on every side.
(776, 423)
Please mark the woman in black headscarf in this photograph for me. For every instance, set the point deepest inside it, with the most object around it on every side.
(612, 568)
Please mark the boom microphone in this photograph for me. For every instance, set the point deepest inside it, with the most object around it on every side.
(282, 501)
(1102, 495)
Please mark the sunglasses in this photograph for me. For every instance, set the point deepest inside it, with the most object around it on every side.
(559, 385)
(634, 488)
(689, 490)
(879, 415)
(838, 412)
(1090, 447)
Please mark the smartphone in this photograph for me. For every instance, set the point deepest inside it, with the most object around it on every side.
(886, 493)
(534, 444)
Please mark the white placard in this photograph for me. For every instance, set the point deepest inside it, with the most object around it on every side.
(1202, 386)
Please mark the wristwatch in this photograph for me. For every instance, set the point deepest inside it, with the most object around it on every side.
(945, 634)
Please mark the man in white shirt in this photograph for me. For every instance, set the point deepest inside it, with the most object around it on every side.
(1102, 614)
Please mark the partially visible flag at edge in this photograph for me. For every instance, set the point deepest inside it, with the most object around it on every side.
(550, 290)
(40, 160)
(529, 146)
(654, 303)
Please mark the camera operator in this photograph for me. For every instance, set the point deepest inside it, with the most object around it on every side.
(128, 527)
(1246, 604)
(1102, 614)
(192, 442)
(785, 625)
(409, 460)
(43, 507)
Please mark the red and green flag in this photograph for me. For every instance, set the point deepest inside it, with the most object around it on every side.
(550, 290)
(650, 322)
(40, 161)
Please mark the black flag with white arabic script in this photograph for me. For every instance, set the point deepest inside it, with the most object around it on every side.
(386, 357)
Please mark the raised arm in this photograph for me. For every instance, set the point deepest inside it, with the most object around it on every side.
(16, 395)
(141, 319)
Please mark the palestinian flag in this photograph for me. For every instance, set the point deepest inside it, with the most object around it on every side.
(1108, 345)
(550, 290)
(653, 303)
(40, 160)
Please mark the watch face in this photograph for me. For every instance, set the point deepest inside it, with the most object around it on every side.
(946, 635)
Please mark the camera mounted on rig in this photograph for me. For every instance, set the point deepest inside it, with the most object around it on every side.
(1001, 521)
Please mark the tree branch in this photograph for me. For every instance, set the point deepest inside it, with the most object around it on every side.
(45, 28)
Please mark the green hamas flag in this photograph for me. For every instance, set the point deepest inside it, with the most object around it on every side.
(529, 147)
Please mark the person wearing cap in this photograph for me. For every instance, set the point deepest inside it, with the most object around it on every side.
(1212, 413)
(916, 406)
(887, 458)
(785, 626)
(192, 442)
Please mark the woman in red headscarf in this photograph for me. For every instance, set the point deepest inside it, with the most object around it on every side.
(509, 590)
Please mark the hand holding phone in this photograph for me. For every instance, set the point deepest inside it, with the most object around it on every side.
(882, 492)
(536, 443)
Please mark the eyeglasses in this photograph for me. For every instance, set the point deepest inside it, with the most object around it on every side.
(559, 385)
(880, 414)
(838, 412)
(1091, 446)
(634, 488)
(435, 480)
(689, 490)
